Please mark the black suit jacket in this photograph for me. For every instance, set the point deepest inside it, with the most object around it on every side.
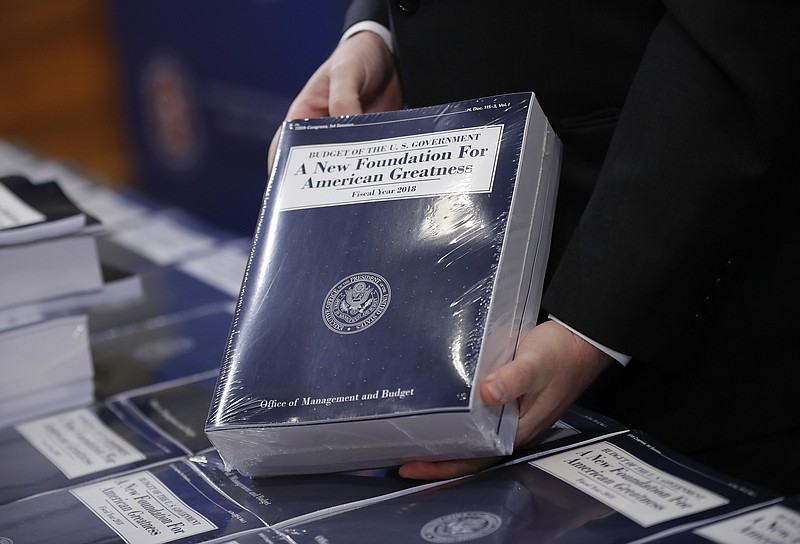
(677, 238)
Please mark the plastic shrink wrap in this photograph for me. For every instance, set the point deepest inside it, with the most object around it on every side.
(398, 259)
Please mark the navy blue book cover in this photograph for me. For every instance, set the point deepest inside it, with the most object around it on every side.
(166, 503)
(160, 349)
(264, 536)
(166, 291)
(177, 408)
(615, 491)
(576, 426)
(391, 266)
(68, 448)
(283, 499)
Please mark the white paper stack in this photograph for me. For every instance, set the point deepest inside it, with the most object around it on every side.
(49, 272)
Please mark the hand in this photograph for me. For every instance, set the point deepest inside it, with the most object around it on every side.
(552, 368)
(359, 77)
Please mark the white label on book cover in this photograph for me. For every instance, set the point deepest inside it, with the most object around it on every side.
(164, 241)
(142, 510)
(635, 489)
(438, 163)
(78, 443)
(772, 525)
(15, 212)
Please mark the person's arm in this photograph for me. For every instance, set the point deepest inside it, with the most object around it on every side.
(687, 172)
(359, 77)
(688, 167)
(367, 10)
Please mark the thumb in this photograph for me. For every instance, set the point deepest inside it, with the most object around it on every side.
(273, 148)
(531, 370)
(344, 97)
(511, 381)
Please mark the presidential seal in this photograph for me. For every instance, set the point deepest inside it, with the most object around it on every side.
(356, 303)
(460, 527)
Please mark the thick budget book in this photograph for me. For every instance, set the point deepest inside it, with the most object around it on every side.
(398, 259)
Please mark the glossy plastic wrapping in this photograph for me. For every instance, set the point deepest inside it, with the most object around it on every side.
(398, 259)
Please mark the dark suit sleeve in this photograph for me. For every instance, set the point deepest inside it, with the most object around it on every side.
(367, 10)
(689, 171)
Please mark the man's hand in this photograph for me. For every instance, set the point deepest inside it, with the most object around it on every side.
(359, 77)
(552, 368)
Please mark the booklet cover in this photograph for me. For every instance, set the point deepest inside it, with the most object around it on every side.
(397, 260)
(178, 408)
(774, 524)
(170, 502)
(76, 446)
(576, 426)
(160, 349)
(286, 499)
(174, 290)
(618, 490)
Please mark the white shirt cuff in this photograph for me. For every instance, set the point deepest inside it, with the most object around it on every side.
(621, 358)
(371, 26)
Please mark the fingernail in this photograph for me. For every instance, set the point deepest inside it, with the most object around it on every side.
(496, 390)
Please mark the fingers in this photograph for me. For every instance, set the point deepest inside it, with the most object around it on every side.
(550, 356)
(443, 470)
(360, 76)
(344, 97)
(523, 375)
(273, 148)
(527, 374)
(524, 379)
(312, 100)
(551, 369)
